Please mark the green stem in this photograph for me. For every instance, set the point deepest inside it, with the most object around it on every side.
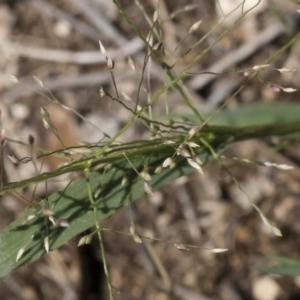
(98, 230)
(212, 134)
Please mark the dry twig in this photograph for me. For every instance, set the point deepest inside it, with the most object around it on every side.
(82, 57)
(52, 11)
(236, 56)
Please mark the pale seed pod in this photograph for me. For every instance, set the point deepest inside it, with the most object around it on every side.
(52, 220)
(259, 67)
(149, 39)
(20, 253)
(195, 26)
(97, 192)
(155, 16)
(284, 70)
(126, 97)
(276, 231)
(184, 152)
(63, 223)
(85, 240)
(46, 244)
(148, 189)
(25, 160)
(137, 239)
(124, 180)
(284, 167)
(132, 228)
(46, 124)
(88, 239)
(193, 131)
(289, 90)
(275, 88)
(278, 166)
(218, 250)
(39, 81)
(81, 241)
(181, 247)
(167, 162)
(102, 49)
(198, 161)
(145, 175)
(44, 112)
(13, 78)
(158, 170)
(48, 212)
(193, 145)
(102, 92)
(28, 218)
(157, 46)
(193, 164)
(110, 63)
(13, 159)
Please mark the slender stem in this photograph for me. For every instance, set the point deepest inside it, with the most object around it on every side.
(98, 229)
(213, 134)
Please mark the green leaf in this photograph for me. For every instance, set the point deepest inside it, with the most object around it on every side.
(283, 266)
(257, 114)
(72, 204)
